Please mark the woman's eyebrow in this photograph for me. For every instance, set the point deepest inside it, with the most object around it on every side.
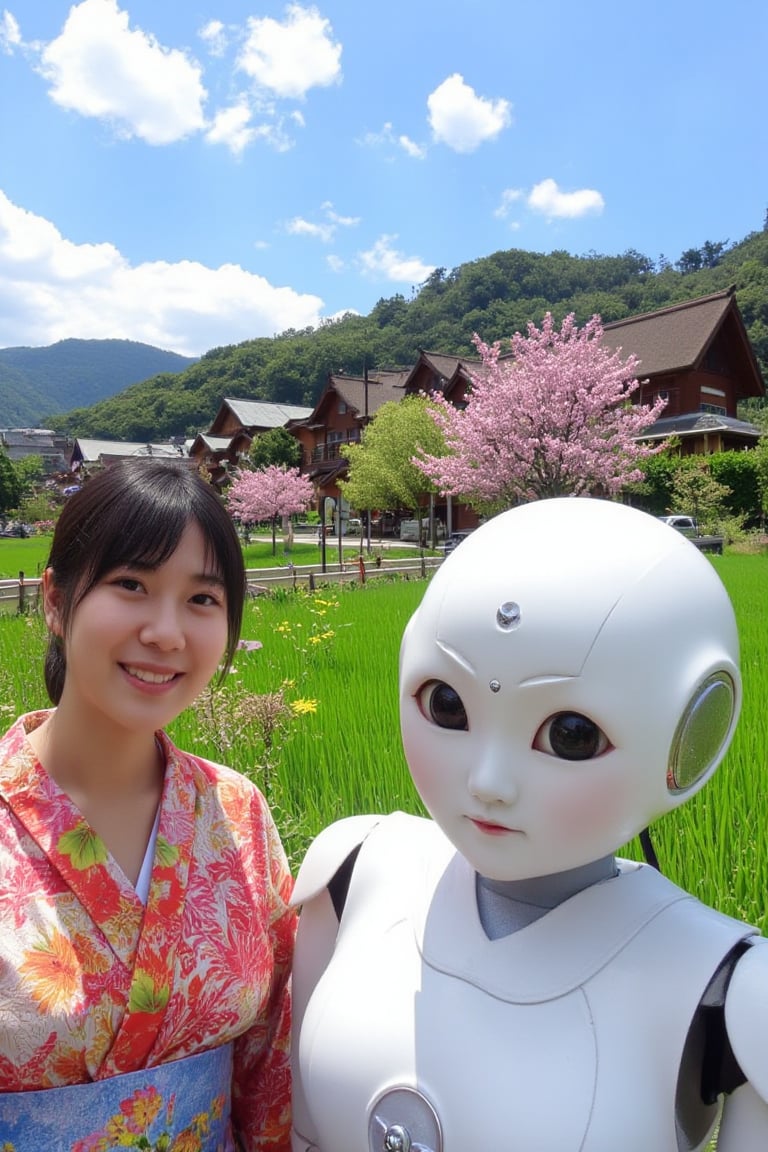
(211, 578)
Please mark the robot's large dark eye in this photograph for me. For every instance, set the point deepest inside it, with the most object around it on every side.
(571, 736)
(442, 704)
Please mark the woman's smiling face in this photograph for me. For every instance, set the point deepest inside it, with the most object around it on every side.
(143, 642)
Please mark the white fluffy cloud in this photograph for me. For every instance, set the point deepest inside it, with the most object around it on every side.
(383, 260)
(52, 289)
(416, 151)
(232, 127)
(509, 197)
(324, 230)
(214, 36)
(462, 119)
(301, 227)
(336, 218)
(98, 66)
(10, 34)
(290, 57)
(547, 199)
(388, 138)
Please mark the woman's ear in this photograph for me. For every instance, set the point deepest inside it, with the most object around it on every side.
(52, 604)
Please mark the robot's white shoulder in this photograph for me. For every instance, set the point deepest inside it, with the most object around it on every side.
(327, 853)
(746, 1015)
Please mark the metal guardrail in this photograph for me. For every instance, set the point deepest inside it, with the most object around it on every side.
(261, 580)
(20, 595)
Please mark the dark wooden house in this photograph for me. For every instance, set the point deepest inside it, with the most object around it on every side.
(698, 357)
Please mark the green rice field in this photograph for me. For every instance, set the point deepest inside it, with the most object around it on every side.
(312, 717)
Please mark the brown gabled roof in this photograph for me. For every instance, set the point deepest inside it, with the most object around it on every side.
(673, 338)
(352, 389)
(382, 387)
(395, 377)
(445, 367)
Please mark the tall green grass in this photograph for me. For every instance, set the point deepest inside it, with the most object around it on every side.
(715, 846)
(28, 556)
(328, 672)
(337, 649)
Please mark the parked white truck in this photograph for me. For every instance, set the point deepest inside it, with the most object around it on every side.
(689, 527)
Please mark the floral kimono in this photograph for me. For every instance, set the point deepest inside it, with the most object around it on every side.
(95, 986)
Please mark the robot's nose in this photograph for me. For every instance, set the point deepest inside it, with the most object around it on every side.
(492, 778)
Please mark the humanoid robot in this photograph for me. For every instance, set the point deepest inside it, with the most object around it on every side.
(495, 978)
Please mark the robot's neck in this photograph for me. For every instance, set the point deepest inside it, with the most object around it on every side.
(505, 906)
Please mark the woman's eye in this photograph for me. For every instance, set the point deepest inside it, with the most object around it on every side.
(207, 599)
(571, 736)
(127, 582)
(442, 705)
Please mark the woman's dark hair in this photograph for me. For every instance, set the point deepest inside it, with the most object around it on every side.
(135, 512)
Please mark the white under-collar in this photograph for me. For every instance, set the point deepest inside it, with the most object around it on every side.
(145, 874)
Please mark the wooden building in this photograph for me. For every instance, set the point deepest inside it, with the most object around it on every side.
(345, 406)
(233, 429)
(697, 356)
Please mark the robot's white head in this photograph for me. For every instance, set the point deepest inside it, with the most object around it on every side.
(570, 675)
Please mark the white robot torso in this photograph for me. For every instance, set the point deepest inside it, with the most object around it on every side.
(424, 1035)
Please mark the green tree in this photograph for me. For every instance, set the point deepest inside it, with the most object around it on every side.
(697, 493)
(10, 485)
(654, 492)
(38, 505)
(760, 455)
(737, 471)
(29, 473)
(276, 446)
(381, 469)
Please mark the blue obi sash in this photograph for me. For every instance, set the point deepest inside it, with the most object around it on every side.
(184, 1104)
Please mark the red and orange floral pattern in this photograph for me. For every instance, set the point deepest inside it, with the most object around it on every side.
(93, 984)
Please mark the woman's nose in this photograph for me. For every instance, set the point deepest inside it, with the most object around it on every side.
(163, 627)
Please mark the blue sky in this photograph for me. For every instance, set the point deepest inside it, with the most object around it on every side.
(192, 173)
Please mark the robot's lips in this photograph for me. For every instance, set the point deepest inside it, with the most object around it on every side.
(490, 829)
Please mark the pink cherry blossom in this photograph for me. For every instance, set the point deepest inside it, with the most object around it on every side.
(554, 418)
(269, 493)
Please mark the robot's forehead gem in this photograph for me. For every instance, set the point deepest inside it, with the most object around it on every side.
(508, 615)
(495, 686)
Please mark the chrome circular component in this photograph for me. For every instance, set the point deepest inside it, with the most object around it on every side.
(702, 731)
(508, 614)
(397, 1139)
(404, 1120)
(495, 686)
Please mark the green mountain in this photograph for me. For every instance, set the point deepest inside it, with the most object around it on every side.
(493, 296)
(36, 382)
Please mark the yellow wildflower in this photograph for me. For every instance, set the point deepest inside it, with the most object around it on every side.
(302, 707)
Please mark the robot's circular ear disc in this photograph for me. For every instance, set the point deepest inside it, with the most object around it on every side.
(702, 731)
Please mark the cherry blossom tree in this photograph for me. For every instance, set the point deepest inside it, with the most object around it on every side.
(269, 494)
(553, 419)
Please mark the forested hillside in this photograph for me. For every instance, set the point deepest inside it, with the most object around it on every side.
(34, 382)
(493, 296)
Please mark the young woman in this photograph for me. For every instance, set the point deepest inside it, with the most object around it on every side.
(145, 934)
